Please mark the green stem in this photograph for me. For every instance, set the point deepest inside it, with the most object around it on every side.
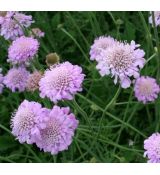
(113, 117)
(27, 146)
(68, 34)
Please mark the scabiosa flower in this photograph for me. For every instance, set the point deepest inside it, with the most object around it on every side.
(146, 89)
(22, 50)
(122, 61)
(61, 82)
(13, 23)
(100, 44)
(156, 18)
(1, 81)
(58, 130)
(36, 32)
(27, 121)
(16, 79)
(152, 147)
(33, 81)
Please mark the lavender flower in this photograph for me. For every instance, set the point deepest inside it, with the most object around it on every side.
(146, 89)
(12, 25)
(61, 82)
(16, 79)
(152, 147)
(122, 61)
(100, 44)
(58, 130)
(1, 81)
(22, 50)
(27, 121)
(156, 18)
(33, 81)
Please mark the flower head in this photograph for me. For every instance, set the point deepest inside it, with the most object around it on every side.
(152, 147)
(58, 130)
(1, 81)
(27, 121)
(61, 82)
(16, 79)
(36, 32)
(122, 61)
(100, 44)
(156, 18)
(33, 81)
(146, 89)
(12, 24)
(22, 50)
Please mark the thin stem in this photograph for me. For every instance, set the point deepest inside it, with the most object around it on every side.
(68, 34)
(31, 151)
(113, 117)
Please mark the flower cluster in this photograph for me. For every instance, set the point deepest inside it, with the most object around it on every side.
(12, 24)
(118, 59)
(21, 51)
(50, 129)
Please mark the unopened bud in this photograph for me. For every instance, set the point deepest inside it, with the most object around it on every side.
(52, 59)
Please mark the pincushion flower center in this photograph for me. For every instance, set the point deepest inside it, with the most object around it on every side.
(17, 77)
(120, 60)
(24, 45)
(145, 88)
(50, 135)
(60, 79)
(24, 120)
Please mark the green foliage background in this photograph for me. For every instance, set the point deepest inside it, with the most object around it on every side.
(104, 132)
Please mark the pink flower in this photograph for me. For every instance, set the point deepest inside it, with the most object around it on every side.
(146, 89)
(22, 50)
(16, 79)
(122, 61)
(58, 130)
(61, 82)
(152, 147)
(27, 121)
